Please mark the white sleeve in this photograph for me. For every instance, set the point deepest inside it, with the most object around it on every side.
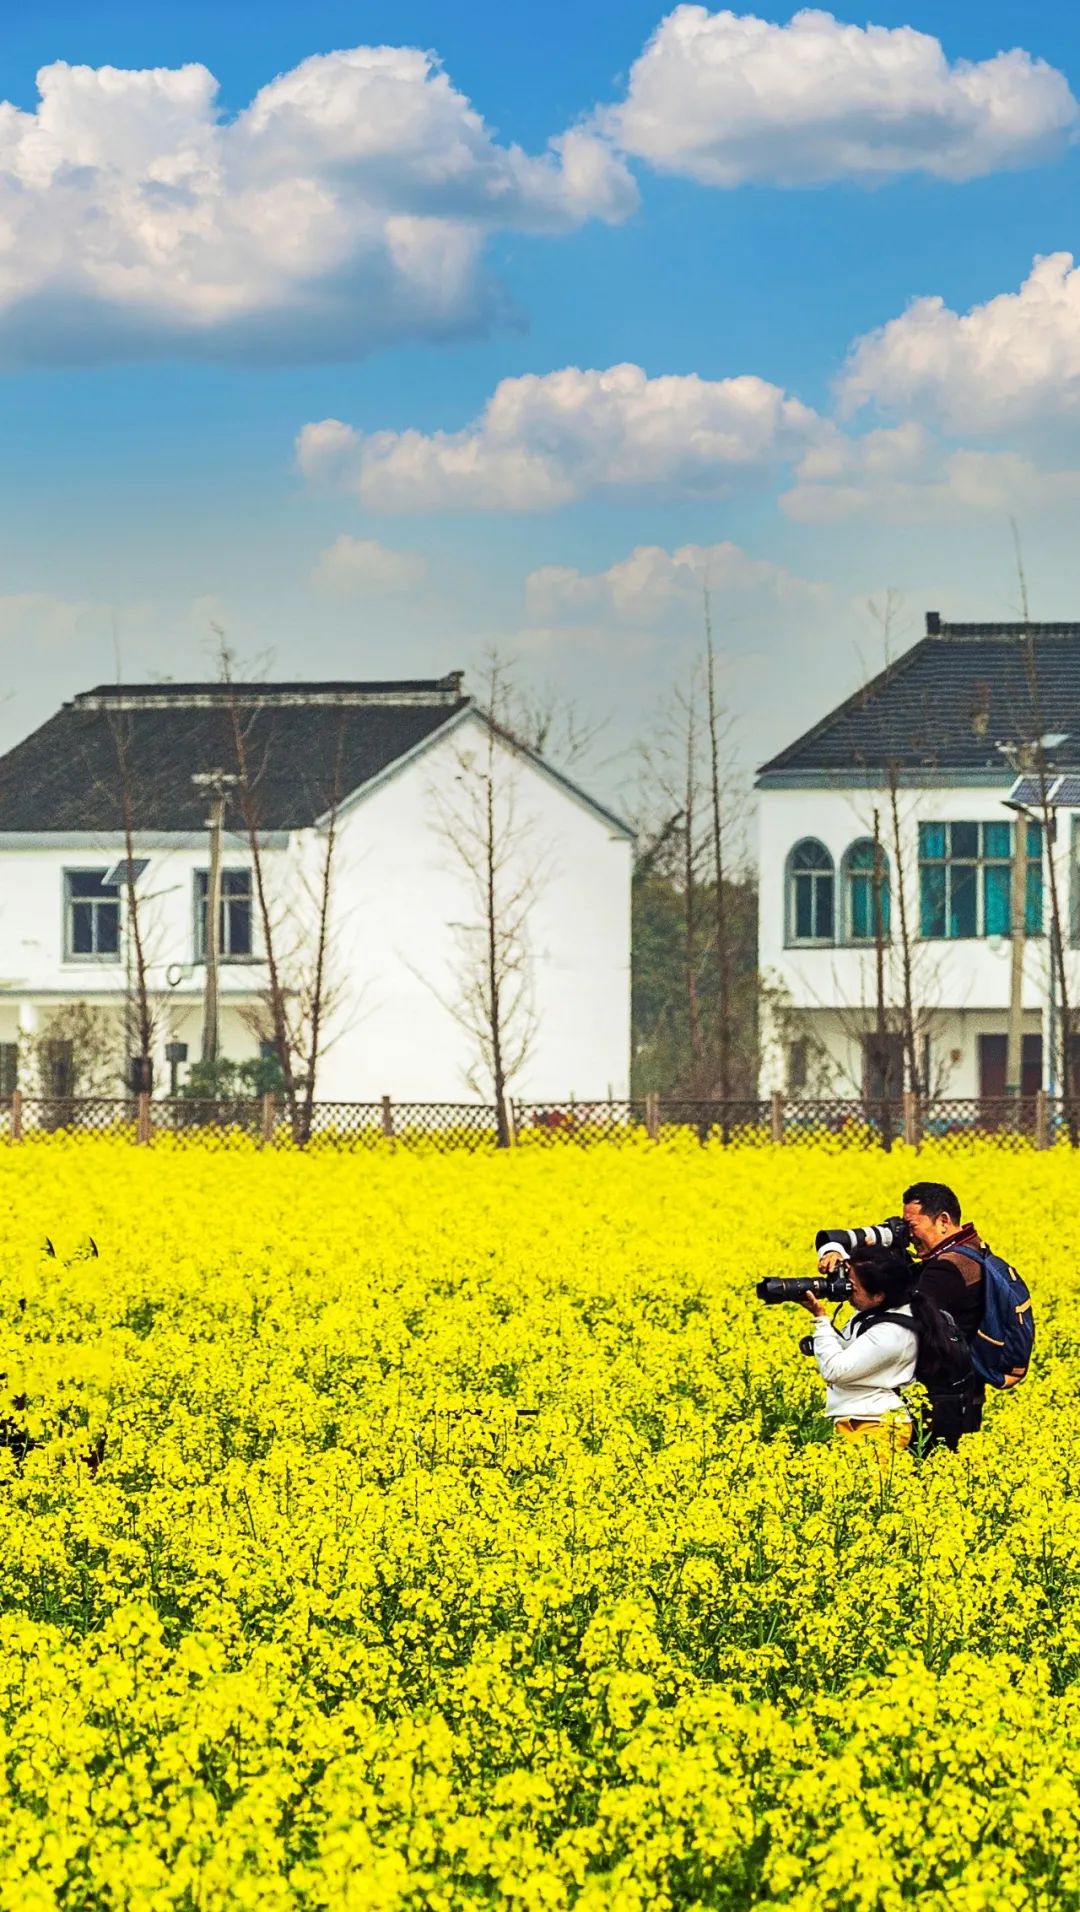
(831, 1247)
(861, 1358)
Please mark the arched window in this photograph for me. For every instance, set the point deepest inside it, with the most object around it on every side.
(866, 891)
(811, 912)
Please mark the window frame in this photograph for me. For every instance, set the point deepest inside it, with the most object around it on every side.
(200, 911)
(792, 940)
(977, 865)
(847, 876)
(71, 954)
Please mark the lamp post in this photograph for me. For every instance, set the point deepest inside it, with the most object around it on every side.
(175, 1054)
(218, 782)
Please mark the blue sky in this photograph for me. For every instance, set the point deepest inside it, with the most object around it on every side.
(163, 343)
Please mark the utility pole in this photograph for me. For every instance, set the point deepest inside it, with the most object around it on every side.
(1014, 1048)
(217, 782)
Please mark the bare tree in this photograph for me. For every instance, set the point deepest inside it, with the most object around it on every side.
(903, 1013)
(544, 721)
(912, 1021)
(493, 845)
(296, 932)
(721, 924)
(688, 817)
(1036, 750)
(141, 1018)
(881, 1010)
(75, 1051)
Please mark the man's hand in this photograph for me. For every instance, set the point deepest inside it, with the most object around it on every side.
(812, 1305)
(830, 1261)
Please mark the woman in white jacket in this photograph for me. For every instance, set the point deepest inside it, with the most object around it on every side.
(866, 1363)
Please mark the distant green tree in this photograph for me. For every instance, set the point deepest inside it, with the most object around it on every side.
(663, 1056)
(225, 1081)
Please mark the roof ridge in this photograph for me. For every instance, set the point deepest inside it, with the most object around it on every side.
(214, 693)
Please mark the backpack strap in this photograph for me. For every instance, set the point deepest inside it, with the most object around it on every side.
(871, 1319)
(969, 1253)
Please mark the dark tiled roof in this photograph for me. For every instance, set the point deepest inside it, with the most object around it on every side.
(66, 776)
(948, 702)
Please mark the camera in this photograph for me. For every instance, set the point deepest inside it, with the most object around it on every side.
(893, 1233)
(777, 1288)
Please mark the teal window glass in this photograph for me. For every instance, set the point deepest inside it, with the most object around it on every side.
(1033, 913)
(963, 900)
(866, 882)
(811, 893)
(932, 899)
(965, 879)
(997, 883)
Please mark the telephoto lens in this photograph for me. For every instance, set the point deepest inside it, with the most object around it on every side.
(776, 1288)
(893, 1233)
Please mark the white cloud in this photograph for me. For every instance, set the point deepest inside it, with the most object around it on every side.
(346, 206)
(1012, 361)
(917, 482)
(364, 567)
(547, 440)
(651, 583)
(727, 98)
(31, 620)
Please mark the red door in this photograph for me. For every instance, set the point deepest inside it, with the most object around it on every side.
(993, 1051)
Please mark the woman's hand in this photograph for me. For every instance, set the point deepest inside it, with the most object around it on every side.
(830, 1261)
(812, 1305)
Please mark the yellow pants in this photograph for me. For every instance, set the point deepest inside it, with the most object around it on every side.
(888, 1436)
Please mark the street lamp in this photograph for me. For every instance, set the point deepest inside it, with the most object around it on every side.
(218, 783)
(1050, 792)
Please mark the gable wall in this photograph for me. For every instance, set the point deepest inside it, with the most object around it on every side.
(400, 890)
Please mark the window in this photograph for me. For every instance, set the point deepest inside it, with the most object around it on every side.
(234, 917)
(965, 878)
(91, 917)
(866, 890)
(9, 1069)
(798, 1067)
(810, 893)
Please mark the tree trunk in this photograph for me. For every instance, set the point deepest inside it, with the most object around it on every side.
(881, 1020)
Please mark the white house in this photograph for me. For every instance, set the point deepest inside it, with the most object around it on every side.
(397, 767)
(931, 749)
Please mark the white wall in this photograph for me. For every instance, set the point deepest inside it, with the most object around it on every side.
(400, 889)
(397, 891)
(37, 978)
(962, 985)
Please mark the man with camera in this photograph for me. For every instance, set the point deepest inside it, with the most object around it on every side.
(950, 1277)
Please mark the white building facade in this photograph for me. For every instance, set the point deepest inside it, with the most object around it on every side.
(895, 811)
(406, 895)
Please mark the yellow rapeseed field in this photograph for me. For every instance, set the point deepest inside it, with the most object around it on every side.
(468, 1535)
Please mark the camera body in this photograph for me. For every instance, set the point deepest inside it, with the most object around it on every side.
(777, 1288)
(895, 1233)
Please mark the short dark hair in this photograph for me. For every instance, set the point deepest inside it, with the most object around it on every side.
(934, 1198)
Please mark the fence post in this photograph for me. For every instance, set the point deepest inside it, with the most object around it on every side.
(388, 1119)
(652, 1115)
(142, 1125)
(16, 1115)
(269, 1112)
(911, 1119)
(510, 1121)
(1042, 1119)
(776, 1116)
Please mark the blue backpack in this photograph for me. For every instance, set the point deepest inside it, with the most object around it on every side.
(1002, 1348)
